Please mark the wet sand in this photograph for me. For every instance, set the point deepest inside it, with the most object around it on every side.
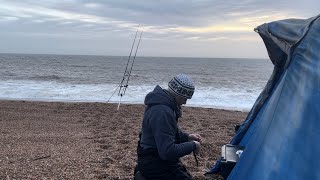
(54, 140)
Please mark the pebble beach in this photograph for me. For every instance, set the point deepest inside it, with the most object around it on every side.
(57, 140)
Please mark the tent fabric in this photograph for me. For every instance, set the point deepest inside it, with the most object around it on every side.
(281, 132)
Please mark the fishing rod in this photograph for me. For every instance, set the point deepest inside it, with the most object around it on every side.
(134, 58)
(126, 70)
(127, 73)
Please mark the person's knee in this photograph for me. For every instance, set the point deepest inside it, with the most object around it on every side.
(139, 176)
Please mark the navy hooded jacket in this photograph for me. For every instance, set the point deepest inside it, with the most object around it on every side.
(160, 129)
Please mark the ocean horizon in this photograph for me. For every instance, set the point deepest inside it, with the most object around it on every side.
(225, 83)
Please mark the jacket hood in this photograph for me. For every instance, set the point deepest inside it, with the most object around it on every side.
(161, 96)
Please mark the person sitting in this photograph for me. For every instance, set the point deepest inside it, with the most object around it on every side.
(161, 142)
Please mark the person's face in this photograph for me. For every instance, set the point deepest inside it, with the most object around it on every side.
(181, 100)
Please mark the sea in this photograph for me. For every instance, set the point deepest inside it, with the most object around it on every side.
(224, 83)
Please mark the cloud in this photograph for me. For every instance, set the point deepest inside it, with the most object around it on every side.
(165, 20)
(8, 18)
(92, 5)
(158, 17)
(38, 12)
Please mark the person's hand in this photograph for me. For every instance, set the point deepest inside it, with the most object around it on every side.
(195, 137)
(197, 150)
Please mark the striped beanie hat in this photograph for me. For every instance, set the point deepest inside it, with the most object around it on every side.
(182, 86)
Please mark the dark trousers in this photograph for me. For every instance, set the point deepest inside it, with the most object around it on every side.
(153, 167)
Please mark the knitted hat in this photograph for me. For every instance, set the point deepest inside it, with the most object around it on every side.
(182, 86)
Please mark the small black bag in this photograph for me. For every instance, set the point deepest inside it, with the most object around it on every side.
(229, 158)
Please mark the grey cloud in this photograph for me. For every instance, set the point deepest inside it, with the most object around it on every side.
(188, 13)
(78, 24)
(167, 13)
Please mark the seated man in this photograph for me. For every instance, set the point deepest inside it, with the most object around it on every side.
(161, 142)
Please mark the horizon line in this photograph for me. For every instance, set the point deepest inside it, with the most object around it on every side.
(71, 54)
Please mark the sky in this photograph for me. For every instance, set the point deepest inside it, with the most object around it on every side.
(171, 28)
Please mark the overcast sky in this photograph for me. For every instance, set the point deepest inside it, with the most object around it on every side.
(187, 28)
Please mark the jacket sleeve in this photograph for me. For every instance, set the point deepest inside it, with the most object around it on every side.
(184, 137)
(164, 128)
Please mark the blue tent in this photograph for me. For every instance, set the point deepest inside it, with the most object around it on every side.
(281, 133)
